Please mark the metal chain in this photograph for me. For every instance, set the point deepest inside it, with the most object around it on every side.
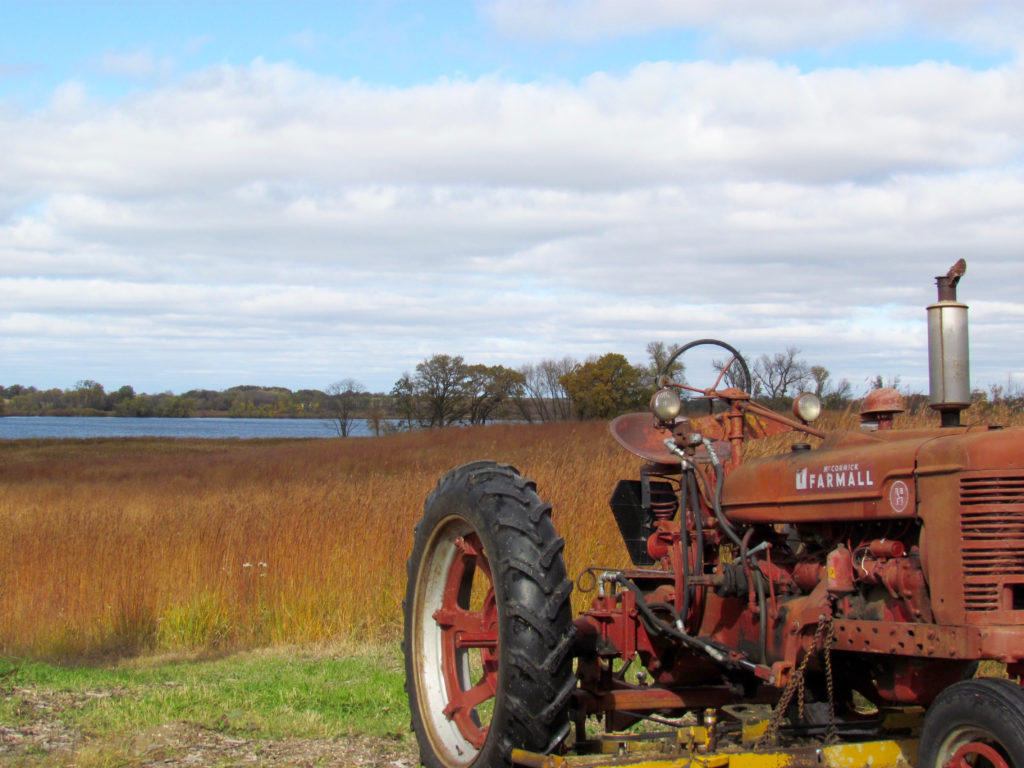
(823, 637)
(831, 736)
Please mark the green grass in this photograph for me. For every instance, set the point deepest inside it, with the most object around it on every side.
(260, 695)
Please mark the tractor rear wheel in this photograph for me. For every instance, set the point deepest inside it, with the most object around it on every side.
(488, 624)
(975, 724)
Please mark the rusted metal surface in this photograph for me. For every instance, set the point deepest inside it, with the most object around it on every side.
(909, 639)
(641, 434)
(884, 400)
(909, 544)
(944, 544)
(881, 562)
(880, 407)
(851, 477)
(648, 699)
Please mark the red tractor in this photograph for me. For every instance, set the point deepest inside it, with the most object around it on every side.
(800, 599)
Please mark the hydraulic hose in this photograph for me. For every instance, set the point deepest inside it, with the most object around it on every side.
(690, 490)
(763, 605)
(758, 577)
(741, 543)
(687, 488)
(717, 498)
(656, 625)
(660, 627)
(698, 519)
(684, 554)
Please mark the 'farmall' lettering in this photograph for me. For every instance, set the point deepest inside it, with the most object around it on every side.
(834, 477)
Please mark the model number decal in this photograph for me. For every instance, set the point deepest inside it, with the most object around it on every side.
(834, 477)
(899, 496)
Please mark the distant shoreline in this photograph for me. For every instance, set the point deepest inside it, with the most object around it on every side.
(208, 415)
(77, 427)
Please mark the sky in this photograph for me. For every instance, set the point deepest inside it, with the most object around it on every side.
(210, 194)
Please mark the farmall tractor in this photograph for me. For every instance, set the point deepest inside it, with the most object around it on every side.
(828, 606)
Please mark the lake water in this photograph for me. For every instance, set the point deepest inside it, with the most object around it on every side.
(19, 427)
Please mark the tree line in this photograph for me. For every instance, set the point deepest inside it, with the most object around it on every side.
(444, 389)
(89, 398)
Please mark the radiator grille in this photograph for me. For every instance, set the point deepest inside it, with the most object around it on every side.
(992, 536)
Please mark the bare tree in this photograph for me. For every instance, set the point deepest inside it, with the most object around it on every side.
(733, 375)
(376, 416)
(343, 397)
(530, 400)
(659, 354)
(543, 396)
(558, 396)
(781, 373)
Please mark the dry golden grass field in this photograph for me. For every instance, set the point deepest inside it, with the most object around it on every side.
(124, 546)
(119, 546)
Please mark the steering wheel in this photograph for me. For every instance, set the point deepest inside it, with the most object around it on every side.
(736, 368)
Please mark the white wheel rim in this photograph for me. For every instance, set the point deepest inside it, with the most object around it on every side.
(449, 744)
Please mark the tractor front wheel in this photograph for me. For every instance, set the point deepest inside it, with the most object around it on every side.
(488, 625)
(975, 724)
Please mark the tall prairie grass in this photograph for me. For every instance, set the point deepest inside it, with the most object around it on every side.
(120, 546)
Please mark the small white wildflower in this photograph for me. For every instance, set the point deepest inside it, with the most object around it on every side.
(247, 565)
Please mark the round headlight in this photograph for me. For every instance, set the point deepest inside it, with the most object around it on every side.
(807, 407)
(665, 405)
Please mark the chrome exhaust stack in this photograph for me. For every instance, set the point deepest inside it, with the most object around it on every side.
(949, 371)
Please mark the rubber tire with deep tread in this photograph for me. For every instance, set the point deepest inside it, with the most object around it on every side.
(985, 710)
(531, 594)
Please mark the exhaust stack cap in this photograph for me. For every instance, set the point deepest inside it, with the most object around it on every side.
(948, 359)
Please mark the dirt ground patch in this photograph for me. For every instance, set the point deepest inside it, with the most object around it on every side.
(41, 738)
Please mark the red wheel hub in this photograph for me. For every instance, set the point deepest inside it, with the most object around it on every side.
(469, 639)
(967, 756)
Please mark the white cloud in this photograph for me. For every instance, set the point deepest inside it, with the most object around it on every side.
(68, 99)
(662, 124)
(765, 26)
(138, 65)
(262, 220)
(134, 65)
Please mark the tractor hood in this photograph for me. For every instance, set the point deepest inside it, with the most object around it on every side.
(863, 475)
